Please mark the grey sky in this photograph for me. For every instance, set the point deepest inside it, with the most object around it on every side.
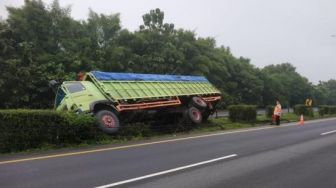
(266, 31)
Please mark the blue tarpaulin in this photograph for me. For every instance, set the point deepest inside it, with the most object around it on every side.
(104, 76)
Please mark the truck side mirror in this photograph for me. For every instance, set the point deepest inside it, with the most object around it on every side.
(54, 85)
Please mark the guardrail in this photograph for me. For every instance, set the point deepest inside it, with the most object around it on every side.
(225, 113)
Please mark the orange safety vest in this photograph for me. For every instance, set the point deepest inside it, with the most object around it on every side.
(277, 110)
(80, 76)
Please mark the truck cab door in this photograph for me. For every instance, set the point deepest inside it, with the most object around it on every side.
(62, 99)
(80, 95)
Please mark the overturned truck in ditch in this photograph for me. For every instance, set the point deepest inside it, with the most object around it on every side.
(116, 98)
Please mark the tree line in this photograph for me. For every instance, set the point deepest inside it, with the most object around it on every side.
(40, 42)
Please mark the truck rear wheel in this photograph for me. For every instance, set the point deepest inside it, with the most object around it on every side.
(194, 115)
(108, 122)
(198, 102)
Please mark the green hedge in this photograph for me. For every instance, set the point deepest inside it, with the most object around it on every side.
(327, 110)
(246, 113)
(323, 110)
(26, 129)
(304, 110)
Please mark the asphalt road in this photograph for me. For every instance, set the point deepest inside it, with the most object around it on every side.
(285, 156)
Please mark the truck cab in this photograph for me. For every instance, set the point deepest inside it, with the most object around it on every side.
(77, 96)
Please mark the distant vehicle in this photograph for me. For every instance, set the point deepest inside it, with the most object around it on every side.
(116, 98)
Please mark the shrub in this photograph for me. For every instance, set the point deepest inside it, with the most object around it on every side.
(304, 110)
(26, 129)
(327, 109)
(323, 109)
(332, 110)
(246, 113)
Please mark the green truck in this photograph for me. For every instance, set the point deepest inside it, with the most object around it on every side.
(117, 98)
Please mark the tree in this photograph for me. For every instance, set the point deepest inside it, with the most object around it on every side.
(26, 44)
(325, 92)
(39, 43)
(286, 85)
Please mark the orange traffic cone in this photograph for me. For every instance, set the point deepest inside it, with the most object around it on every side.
(301, 120)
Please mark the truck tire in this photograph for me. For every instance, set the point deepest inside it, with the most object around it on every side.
(194, 115)
(108, 122)
(198, 102)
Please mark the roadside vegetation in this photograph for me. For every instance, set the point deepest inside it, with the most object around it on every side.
(37, 130)
(40, 42)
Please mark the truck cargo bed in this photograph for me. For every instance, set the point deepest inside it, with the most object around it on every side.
(125, 86)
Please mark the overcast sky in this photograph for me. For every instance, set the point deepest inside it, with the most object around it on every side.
(302, 32)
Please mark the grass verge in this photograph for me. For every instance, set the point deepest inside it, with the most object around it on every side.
(142, 132)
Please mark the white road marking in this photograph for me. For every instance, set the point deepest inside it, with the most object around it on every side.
(167, 171)
(322, 134)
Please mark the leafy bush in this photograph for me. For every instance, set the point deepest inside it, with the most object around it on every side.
(304, 110)
(26, 129)
(246, 113)
(332, 110)
(323, 110)
(327, 109)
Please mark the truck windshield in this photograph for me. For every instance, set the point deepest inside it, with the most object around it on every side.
(59, 97)
(75, 87)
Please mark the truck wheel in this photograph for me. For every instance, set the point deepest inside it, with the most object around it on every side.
(198, 102)
(194, 115)
(108, 122)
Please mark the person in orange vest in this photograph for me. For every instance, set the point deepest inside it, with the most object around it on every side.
(80, 76)
(277, 112)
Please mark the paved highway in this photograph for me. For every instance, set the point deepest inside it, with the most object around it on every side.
(285, 156)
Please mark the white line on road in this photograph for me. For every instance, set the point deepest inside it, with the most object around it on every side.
(166, 172)
(322, 134)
